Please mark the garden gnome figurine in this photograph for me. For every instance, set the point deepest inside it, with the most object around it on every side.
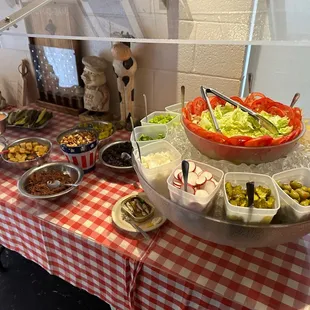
(125, 67)
(97, 94)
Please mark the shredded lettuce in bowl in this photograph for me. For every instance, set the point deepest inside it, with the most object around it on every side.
(235, 122)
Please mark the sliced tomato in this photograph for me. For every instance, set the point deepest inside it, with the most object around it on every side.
(238, 140)
(278, 141)
(298, 113)
(253, 97)
(186, 122)
(199, 106)
(293, 134)
(215, 101)
(186, 113)
(276, 111)
(282, 109)
(214, 136)
(259, 104)
(261, 141)
(238, 99)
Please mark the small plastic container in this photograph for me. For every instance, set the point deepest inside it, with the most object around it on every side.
(245, 214)
(289, 206)
(151, 130)
(176, 119)
(191, 201)
(157, 177)
(177, 108)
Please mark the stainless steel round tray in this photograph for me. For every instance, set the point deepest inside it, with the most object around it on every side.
(214, 227)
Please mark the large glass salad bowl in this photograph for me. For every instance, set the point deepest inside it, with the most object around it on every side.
(216, 228)
(241, 154)
(238, 136)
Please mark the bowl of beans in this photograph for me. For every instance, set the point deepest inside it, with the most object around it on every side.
(34, 183)
(116, 156)
(80, 147)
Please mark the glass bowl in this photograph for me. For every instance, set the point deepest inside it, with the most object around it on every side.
(215, 228)
(241, 154)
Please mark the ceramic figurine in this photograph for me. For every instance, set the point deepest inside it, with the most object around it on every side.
(97, 94)
(125, 67)
(2, 102)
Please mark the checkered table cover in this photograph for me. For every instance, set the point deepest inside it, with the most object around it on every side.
(74, 238)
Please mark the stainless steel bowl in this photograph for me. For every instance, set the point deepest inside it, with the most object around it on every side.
(3, 144)
(3, 122)
(29, 163)
(217, 229)
(75, 173)
(114, 168)
(89, 125)
(241, 154)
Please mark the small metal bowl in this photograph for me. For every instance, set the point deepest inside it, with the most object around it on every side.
(3, 122)
(90, 125)
(3, 144)
(75, 172)
(29, 163)
(111, 167)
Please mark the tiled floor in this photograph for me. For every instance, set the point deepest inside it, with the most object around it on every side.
(26, 286)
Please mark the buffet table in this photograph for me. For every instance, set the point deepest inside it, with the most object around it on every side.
(74, 238)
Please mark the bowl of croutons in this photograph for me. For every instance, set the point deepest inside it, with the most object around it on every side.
(27, 153)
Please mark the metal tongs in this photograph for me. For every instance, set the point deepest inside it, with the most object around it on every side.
(261, 120)
(205, 97)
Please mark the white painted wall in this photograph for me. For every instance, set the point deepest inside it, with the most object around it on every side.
(280, 72)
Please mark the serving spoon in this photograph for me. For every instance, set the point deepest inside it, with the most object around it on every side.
(185, 169)
(295, 99)
(125, 156)
(57, 183)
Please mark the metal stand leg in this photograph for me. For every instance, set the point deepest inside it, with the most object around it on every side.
(2, 268)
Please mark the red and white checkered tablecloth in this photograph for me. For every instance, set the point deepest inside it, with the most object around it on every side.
(73, 237)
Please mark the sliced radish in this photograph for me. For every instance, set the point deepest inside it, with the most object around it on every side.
(215, 182)
(190, 189)
(207, 174)
(176, 173)
(192, 166)
(209, 186)
(202, 193)
(180, 177)
(198, 170)
(201, 180)
(192, 178)
(177, 183)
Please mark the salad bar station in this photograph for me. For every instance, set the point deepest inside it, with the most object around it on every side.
(217, 187)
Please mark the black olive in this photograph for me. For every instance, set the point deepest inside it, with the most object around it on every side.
(112, 155)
